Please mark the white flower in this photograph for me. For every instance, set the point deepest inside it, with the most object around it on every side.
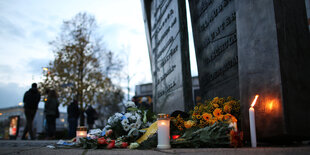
(128, 115)
(118, 115)
(126, 127)
(124, 122)
(130, 104)
(133, 117)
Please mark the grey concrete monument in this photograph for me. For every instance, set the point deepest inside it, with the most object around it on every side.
(166, 30)
(249, 47)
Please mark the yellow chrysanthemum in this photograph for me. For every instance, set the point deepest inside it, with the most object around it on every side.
(227, 108)
(196, 108)
(217, 112)
(216, 99)
(188, 124)
(194, 117)
(207, 116)
(198, 116)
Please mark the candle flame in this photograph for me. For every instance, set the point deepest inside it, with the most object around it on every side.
(254, 101)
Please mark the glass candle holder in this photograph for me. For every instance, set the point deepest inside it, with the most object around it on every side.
(81, 132)
(163, 123)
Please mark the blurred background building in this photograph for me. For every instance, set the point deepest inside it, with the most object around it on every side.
(13, 121)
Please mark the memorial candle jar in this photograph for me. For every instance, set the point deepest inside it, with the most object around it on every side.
(81, 132)
(163, 123)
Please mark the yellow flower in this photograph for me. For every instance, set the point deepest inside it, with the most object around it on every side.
(227, 108)
(216, 99)
(207, 116)
(198, 116)
(188, 124)
(193, 117)
(215, 105)
(196, 108)
(217, 112)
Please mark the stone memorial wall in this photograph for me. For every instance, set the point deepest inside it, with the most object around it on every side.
(168, 49)
(214, 30)
(249, 47)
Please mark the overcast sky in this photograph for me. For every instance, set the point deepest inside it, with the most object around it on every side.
(26, 27)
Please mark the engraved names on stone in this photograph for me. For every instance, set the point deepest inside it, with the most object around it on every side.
(214, 29)
(167, 67)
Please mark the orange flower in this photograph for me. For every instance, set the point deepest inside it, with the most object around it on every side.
(212, 121)
(207, 116)
(227, 108)
(230, 117)
(215, 105)
(189, 124)
(227, 116)
(217, 112)
(234, 119)
(220, 118)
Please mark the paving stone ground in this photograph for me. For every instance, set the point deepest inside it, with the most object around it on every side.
(10, 147)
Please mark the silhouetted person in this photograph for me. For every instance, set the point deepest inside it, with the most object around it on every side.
(92, 115)
(31, 101)
(51, 113)
(73, 115)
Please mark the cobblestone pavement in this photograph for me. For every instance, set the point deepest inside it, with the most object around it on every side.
(10, 147)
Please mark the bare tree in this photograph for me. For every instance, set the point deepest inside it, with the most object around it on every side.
(76, 70)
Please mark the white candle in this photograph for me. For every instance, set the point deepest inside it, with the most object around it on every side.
(252, 122)
(163, 123)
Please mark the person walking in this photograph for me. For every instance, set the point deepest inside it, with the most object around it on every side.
(31, 100)
(92, 115)
(51, 113)
(73, 115)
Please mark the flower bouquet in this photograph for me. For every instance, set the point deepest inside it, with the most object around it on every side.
(121, 129)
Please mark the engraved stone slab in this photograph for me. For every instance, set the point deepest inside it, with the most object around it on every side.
(214, 30)
(168, 49)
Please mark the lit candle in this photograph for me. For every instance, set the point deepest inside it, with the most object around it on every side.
(252, 122)
(81, 132)
(163, 123)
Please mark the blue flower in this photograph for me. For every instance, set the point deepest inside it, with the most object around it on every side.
(103, 132)
(124, 117)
